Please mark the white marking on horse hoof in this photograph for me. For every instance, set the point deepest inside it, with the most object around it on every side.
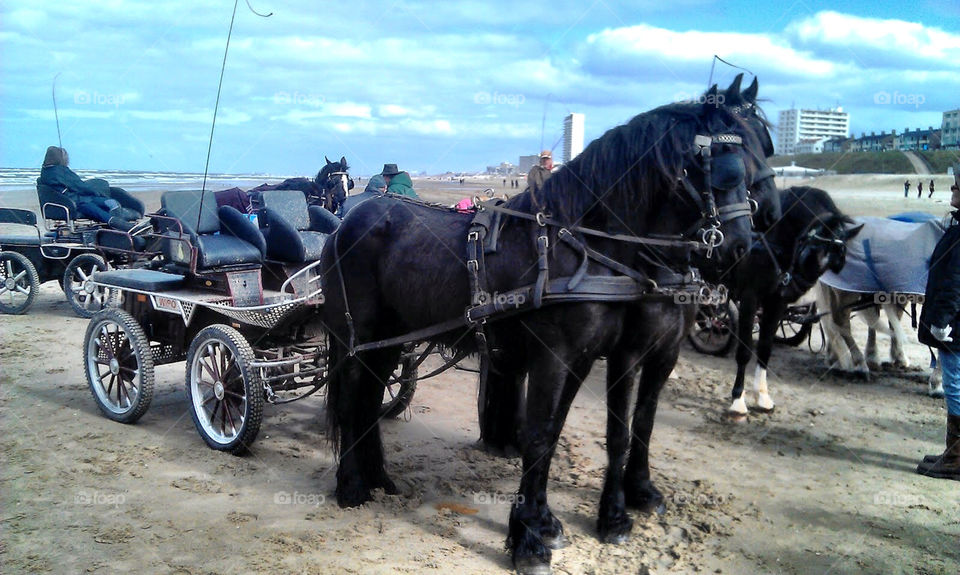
(764, 403)
(738, 406)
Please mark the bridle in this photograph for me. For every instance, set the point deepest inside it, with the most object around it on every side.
(707, 228)
(810, 236)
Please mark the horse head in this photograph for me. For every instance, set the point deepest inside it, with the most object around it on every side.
(822, 247)
(335, 183)
(762, 187)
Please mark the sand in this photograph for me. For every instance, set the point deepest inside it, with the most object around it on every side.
(824, 484)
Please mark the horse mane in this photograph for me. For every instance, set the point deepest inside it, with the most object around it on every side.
(624, 174)
(806, 205)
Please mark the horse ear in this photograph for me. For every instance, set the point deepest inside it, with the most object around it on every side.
(710, 99)
(328, 160)
(851, 233)
(750, 94)
(343, 162)
(733, 92)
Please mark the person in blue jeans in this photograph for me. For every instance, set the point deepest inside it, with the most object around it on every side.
(940, 328)
(92, 197)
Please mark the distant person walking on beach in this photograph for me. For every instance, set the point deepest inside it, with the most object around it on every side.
(919, 189)
(930, 193)
(906, 188)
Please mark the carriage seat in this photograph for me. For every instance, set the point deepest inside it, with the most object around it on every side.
(57, 205)
(140, 279)
(223, 237)
(294, 232)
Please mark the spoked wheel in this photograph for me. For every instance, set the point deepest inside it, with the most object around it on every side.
(19, 283)
(401, 386)
(226, 395)
(119, 365)
(714, 329)
(794, 327)
(85, 298)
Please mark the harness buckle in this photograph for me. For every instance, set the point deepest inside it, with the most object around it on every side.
(473, 236)
(473, 265)
(544, 240)
(541, 219)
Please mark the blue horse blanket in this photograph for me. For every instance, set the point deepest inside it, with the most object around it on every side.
(888, 256)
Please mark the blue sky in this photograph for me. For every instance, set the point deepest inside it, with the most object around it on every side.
(436, 86)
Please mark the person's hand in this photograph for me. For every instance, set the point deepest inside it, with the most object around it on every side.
(941, 333)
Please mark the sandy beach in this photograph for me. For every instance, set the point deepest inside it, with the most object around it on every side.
(825, 484)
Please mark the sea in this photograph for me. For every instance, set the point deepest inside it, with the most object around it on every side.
(13, 180)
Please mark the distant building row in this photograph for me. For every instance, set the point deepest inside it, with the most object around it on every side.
(816, 131)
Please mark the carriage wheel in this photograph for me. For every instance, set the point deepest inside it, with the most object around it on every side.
(226, 396)
(401, 386)
(19, 283)
(85, 298)
(714, 329)
(119, 364)
(792, 330)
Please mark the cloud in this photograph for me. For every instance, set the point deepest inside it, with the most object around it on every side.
(876, 43)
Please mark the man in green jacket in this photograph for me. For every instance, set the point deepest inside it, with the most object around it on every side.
(398, 182)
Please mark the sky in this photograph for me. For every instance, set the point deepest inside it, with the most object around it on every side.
(436, 86)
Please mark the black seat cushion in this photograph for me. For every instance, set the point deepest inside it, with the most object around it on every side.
(289, 234)
(222, 236)
(146, 280)
(222, 250)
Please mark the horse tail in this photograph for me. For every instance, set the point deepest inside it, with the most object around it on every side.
(335, 353)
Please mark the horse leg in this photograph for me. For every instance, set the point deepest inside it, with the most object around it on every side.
(748, 311)
(355, 396)
(499, 405)
(873, 358)
(773, 311)
(533, 530)
(898, 338)
(857, 362)
(641, 493)
(613, 523)
(827, 299)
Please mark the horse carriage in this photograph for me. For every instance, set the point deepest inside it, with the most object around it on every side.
(714, 329)
(240, 304)
(68, 248)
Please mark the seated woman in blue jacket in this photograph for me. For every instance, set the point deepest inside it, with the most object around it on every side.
(92, 196)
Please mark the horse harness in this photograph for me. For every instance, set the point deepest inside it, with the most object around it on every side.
(629, 285)
(788, 276)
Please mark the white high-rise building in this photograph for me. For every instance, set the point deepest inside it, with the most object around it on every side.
(810, 125)
(572, 136)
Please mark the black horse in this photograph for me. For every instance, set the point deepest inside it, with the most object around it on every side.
(780, 268)
(333, 183)
(397, 267)
(646, 353)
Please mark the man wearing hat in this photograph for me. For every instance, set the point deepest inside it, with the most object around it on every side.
(539, 173)
(398, 182)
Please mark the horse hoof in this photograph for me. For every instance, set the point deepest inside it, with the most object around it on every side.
(758, 409)
(556, 542)
(734, 417)
(616, 538)
(532, 566)
(937, 393)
